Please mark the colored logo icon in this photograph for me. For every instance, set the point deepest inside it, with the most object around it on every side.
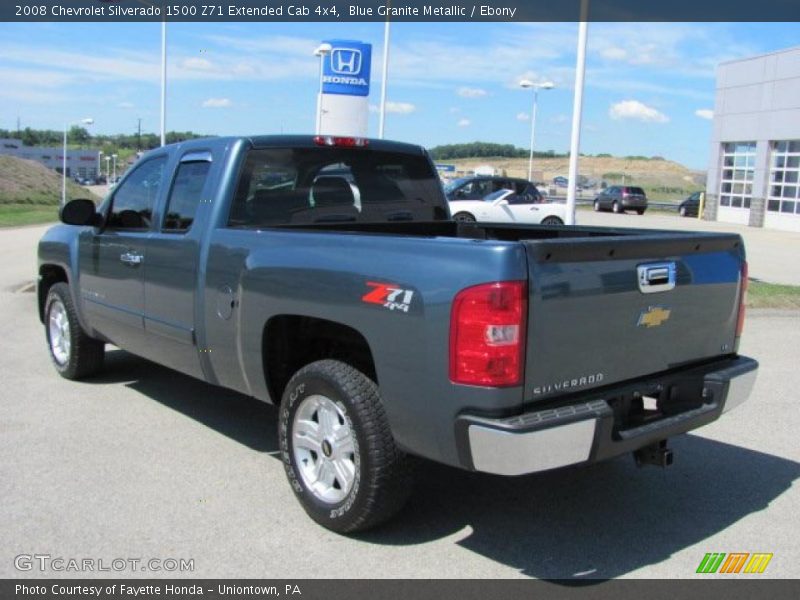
(734, 563)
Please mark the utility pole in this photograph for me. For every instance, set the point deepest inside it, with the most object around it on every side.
(19, 129)
(139, 137)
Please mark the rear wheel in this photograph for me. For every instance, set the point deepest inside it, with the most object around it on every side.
(616, 207)
(74, 354)
(338, 451)
(552, 221)
(463, 217)
(682, 211)
(640, 211)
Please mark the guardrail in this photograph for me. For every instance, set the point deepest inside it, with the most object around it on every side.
(587, 200)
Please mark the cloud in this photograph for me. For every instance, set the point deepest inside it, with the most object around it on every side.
(397, 108)
(217, 103)
(704, 113)
(523, 116)
(614, 53)
(464, 123)
(126, 105)
(197, 64)
(400, 108)
(468, 92)
(633, 109)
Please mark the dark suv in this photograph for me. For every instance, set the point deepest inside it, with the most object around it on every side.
(619, 198)
(480, 186)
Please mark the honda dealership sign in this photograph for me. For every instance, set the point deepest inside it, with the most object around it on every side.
(346, 68)
(345, 88)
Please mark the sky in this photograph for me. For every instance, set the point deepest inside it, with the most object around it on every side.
(649, 87)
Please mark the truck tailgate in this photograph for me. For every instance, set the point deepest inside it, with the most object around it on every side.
(609, 309)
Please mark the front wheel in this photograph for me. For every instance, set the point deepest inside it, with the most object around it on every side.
(463, 217)
(74, 354)
(552, 221)
(616, 207)
(596, 206)
(337, 449)
(682, 211)
(640, 211)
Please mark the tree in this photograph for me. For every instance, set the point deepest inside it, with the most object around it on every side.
(78, 135)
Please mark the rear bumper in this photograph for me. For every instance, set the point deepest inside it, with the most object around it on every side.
(634, 203)
(589, 431)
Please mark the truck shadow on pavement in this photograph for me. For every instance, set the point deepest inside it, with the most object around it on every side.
(578, 524)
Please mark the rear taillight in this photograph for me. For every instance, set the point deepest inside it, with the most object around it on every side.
(487, 334)
(341, 142)
(742, 300)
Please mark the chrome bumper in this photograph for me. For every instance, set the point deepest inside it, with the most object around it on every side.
(584, 432)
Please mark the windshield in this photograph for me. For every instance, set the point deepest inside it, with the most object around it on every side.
(456, 183)
(495, 195)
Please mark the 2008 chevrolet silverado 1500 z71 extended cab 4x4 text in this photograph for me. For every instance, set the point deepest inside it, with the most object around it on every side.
(325, 275)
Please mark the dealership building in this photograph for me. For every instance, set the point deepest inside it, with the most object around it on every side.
(754, 171)
(80, 163)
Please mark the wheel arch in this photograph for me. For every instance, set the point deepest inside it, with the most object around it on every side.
(49, 275)
(289, 342)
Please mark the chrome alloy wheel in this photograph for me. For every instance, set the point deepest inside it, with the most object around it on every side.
(58, 326)
(324, 449)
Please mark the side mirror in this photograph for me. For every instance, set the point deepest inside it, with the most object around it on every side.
(80, 212)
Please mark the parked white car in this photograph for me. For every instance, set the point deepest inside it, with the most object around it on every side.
(506, 206)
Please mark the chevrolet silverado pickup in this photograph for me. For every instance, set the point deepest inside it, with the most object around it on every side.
(326, 275)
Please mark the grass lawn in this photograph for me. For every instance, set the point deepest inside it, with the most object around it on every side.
(772, 295)
(14, 215)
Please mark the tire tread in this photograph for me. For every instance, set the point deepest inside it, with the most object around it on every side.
(86, 353)
(387, 484)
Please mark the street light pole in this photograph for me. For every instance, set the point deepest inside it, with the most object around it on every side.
(321, 51)
(577, 112)
(87, 121)
(526, 84)
(114, 162)
(384, 81)
(163, 82)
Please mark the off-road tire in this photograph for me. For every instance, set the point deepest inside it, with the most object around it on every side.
(86, 354)
(383, 478)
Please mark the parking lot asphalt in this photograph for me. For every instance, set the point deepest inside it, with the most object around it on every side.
(142, 462)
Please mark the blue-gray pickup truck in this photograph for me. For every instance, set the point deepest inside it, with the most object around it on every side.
(325, 275)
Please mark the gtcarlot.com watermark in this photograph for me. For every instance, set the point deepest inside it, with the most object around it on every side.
(47, 563)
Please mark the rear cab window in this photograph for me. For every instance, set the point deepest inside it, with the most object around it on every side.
(296, 186)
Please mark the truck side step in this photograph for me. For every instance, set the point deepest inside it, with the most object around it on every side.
(656, 454)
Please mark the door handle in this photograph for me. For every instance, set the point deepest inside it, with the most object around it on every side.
(130, 258)
(658, 277)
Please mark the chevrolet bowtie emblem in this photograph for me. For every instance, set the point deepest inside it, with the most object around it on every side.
(653, 316)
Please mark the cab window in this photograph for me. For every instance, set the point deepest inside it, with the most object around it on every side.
(185, 196)
(132, 203)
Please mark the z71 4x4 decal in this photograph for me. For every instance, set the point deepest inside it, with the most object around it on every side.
(388, 295)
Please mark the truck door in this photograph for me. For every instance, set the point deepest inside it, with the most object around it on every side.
(111, 263)
(173, 252)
